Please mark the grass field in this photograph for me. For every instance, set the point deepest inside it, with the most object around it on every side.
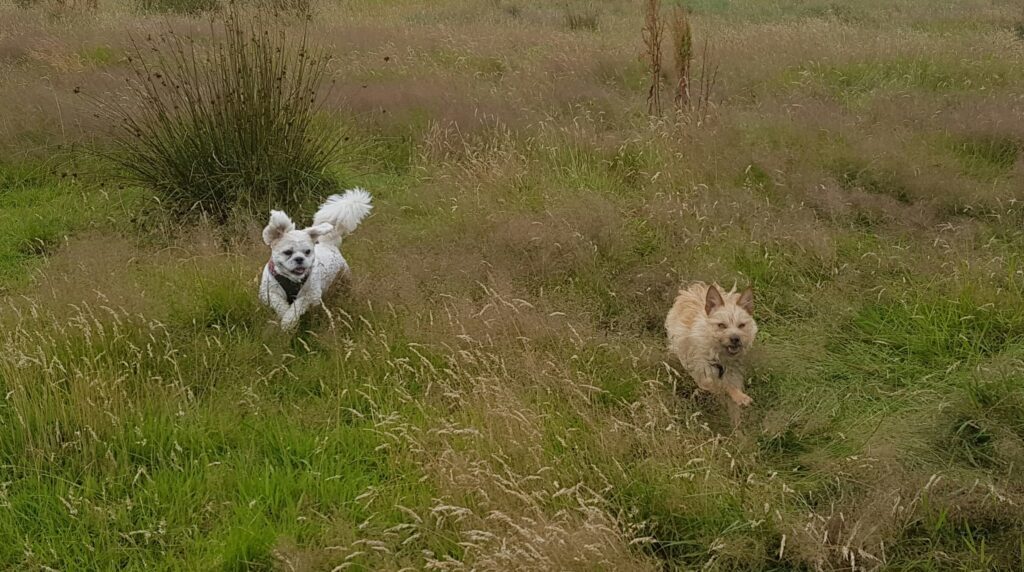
(492, 392)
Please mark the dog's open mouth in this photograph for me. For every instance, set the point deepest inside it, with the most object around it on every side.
(299, 271)
(733, 350)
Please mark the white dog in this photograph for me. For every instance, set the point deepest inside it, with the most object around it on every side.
(304, 263)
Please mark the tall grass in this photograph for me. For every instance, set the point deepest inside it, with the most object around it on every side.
(581, 19)
(232, 126)
(59, 7)
(179, 6)
(691, 93)
(682, 51)
(652, 32)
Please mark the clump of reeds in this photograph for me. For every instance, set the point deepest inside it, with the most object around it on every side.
(692, 94)
(652, 33)
(682, 43)
(707, 78)
(231, 126)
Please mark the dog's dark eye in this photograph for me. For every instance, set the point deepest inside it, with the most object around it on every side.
(721, 326)
(743, 325)
(287, 253)
(307, 253)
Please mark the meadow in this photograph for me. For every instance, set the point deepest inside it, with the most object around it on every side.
(492, 390)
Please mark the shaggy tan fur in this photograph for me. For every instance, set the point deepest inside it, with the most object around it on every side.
(710, 332)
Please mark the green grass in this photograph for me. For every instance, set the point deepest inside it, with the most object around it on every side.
(196, 456)
(99, 55)
(860, 82)
(987, 156)
(38, 210)
(179, 6)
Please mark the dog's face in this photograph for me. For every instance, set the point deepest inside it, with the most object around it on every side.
(731, 320)
(292, 250)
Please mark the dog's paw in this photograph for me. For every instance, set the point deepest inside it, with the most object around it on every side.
(742, 399)
(288, 323)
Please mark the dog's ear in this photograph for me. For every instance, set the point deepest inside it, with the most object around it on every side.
(316, 231)
(713, 300)
(746, 300)
(278, 226)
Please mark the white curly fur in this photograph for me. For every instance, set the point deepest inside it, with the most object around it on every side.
(312, 253)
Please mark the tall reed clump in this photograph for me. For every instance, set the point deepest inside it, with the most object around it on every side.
(682, 44)
(707, 78)
(652, 32)
(230, 126)
(692, 90)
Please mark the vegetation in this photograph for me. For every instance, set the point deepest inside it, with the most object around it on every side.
(232, 125)
(682, 53)
(492, 391)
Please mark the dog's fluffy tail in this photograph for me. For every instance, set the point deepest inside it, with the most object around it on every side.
(344, 212)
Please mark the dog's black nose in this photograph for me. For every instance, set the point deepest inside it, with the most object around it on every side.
(299, 260)
(734, 340)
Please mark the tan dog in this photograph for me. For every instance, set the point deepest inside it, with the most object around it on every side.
(711, 332)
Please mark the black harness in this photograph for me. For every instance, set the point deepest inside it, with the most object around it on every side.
(718, 368)
(291, 288)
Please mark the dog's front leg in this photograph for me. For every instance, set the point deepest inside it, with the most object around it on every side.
(737, 396)
(297, 309)
(277, 301)
(707, 379)
(289, 320)
(732, 383)
(291, 317)
(733, 397)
